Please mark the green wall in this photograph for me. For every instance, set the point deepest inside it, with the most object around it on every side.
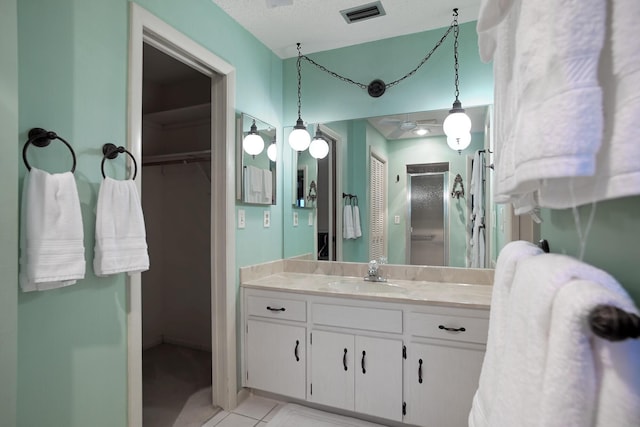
(8, 211)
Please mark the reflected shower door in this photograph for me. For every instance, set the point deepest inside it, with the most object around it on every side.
(427, 231)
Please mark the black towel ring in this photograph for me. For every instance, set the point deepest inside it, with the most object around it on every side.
(42, 138)
(110, 151)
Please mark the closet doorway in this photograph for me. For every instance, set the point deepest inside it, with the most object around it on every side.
(176, 200)
(210, 159)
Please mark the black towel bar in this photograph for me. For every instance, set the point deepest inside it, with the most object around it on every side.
(42, 138)
(607, 321)
(110, 151)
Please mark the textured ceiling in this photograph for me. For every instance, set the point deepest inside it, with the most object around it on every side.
(319, 26)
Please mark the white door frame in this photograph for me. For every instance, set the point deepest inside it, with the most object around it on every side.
(145, 27)
(336, 203)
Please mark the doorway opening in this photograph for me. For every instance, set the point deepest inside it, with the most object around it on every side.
(428, 205)
(328, 220)
(146, 29)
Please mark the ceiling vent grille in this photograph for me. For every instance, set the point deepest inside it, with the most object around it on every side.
(362, 13)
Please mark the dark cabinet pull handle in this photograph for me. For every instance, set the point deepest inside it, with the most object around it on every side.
(451, 329)
(275, 309)
(364, 353)
(420, 371)
(344, 359)
(295, 351)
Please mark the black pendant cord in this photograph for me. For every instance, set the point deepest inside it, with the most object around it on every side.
(377, 87)
(298, 66)
(456, 31)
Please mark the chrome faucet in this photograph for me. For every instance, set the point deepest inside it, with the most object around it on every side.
(373, 272)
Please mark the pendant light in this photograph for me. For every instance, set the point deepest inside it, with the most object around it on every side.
(457, 124)
(272, 151)
(253, 143)
(299, 138)
(459, 142)
(319, 148)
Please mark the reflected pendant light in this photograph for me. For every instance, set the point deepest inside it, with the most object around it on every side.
(457, 124)
(272, 151)
(319, 148)
(459, 142)
(299, 138)
(253, 143)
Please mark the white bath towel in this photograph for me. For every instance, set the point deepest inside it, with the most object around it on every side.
(617, 171)
(552, 371)
(484, 399)
(51, 236)
(549, 115)
(348, 232)
(121, 239)
(267, 186)
(357, 230)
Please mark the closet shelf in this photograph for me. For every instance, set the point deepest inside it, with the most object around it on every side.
(182, 115)
(173, 158)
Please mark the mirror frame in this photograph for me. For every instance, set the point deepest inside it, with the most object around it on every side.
(244, 121)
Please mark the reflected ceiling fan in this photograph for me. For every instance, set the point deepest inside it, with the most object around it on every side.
(406, 125)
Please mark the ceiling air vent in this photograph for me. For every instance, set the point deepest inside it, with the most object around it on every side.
(362, 13)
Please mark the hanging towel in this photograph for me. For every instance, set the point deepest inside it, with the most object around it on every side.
(348, 231)
(121, 240)
(51, 237)
(357, 230)
(617, 172)
(267, 183)
(537, 86)
(552, 371)
(484, 398)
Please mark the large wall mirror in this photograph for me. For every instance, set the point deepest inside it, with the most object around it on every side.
(431, 203)
(255, 169)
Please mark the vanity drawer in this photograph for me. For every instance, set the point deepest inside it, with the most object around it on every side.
(449, 327)
(277, 308)
(365, 318)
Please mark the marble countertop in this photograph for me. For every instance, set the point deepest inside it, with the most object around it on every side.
(414, 291)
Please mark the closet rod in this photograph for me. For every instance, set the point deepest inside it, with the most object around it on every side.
(179, 158)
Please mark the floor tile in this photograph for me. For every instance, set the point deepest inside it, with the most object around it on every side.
(235, 420)
(273, 412)
(255, 407)
(261, 424)
(216, 419)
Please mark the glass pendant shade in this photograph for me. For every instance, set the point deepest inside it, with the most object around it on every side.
(272, 152)
(253, 143)
(459, 143)
(457, 122)
(319, 148)
(299, 138)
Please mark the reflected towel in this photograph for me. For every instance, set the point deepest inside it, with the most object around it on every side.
(267, 183)
(51, 237)
(121, 240)
(348, 232)
(357, 231)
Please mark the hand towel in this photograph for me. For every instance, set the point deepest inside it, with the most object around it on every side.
(348, 232)
(499, 318)
(544, 377)
(267, 186)
(617, 171)
(51, 237)
(253, 184)
(550, 118)
(357, 230)
(121, 240)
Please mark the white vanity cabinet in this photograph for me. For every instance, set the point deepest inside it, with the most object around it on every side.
(404, 361)
(275, 339)
(358, 373)
(444, 358)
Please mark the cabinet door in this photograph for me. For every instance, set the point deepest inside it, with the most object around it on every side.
(379, 377)
(276, 358)
(440, 382)
(332, 364)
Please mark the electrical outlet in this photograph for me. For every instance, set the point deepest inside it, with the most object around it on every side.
(241, 218)
(396, 219)
(295, 219)
(310, 221)
(267, 219)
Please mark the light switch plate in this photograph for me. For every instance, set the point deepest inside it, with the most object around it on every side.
(295, 219)
(310, 221)
(267, 218)
(396, 219)
(241, 218)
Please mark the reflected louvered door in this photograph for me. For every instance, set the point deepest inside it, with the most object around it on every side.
(377, 208)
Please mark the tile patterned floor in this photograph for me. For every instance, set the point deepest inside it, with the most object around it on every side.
(255, 411)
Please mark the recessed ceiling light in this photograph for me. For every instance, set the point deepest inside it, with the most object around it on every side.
(421, 131)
